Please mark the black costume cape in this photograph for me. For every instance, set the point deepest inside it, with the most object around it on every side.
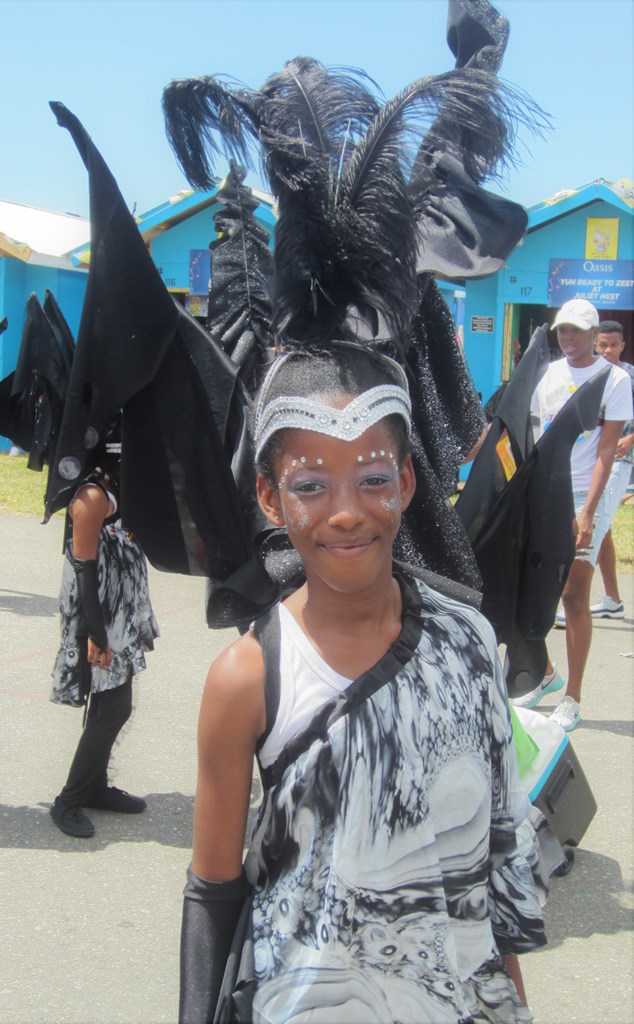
(521, 528)
(32, 397)
(183, 408)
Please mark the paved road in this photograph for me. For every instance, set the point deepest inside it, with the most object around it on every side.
(89, 929)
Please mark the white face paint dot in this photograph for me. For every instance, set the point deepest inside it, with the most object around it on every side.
(359, 458)
(293, 462)
(320, 462)
(373, 455)
(303, 458)
(382, 453)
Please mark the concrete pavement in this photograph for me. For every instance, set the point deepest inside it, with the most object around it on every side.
(90, 929)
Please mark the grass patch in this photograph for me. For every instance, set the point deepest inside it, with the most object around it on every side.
(21, 489)
(22, 493)
(623, 535)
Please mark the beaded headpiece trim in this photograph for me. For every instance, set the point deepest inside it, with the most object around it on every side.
(347, 424)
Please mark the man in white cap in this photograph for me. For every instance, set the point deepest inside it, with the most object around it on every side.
(577, 326)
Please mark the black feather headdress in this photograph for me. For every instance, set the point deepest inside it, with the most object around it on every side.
(356, 179)
(373, 196)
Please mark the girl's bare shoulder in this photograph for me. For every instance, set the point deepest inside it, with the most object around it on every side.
(235, 685)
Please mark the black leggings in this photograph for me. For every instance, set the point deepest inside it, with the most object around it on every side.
(108, 711)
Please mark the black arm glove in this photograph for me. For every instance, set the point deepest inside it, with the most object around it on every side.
(210, 915)
(91, 611)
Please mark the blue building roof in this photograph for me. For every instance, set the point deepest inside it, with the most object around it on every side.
(618, 193)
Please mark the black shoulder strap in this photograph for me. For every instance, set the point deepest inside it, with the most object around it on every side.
(267, 632)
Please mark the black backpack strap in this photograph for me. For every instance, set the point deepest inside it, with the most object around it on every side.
(267, 632)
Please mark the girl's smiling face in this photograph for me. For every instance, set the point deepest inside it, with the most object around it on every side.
(341, 502)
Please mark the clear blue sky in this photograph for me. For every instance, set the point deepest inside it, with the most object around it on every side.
(109, 60)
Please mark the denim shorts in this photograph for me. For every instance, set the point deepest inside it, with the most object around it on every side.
(605, 512)
(617, 485)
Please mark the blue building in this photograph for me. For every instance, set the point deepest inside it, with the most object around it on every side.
(579, 244)
(40, 250)
(34, 248)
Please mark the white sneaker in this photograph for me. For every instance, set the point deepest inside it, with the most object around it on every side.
(606, 608)
(567, 713)
(548, 684)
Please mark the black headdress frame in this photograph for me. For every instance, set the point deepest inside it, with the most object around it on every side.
(372, 196)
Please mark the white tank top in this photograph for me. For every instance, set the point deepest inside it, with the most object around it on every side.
(306, 684)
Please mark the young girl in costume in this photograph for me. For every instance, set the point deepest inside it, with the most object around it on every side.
(387, 884)
(107, 625)
(383, 881)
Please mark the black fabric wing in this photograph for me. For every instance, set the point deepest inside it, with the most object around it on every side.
(487, 478)
(184, 412)
(127, 322)
(61, 330)
(31, 404)
(178, 494)
(525, 546)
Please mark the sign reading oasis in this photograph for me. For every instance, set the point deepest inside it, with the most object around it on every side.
(608, 284)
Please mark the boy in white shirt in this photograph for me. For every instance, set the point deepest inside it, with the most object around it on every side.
(577, 326)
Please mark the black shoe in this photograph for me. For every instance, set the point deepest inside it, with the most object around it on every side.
(72, 820)
(112, 799)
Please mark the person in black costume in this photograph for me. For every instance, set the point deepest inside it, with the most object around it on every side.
(107, 624)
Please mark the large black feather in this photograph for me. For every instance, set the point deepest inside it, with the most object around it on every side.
(375, 213)
(479, 119)
(313, 116)
(205, 117)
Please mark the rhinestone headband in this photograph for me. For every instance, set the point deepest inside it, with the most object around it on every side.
(346, 424)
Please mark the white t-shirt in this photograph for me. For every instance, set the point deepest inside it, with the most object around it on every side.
(553, 391)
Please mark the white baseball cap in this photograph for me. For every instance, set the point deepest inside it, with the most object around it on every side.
(579, 313)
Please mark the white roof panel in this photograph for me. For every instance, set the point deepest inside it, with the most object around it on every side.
(42, 231)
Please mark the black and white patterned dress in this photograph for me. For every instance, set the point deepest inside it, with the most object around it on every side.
(129, 620)
(387, 874)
